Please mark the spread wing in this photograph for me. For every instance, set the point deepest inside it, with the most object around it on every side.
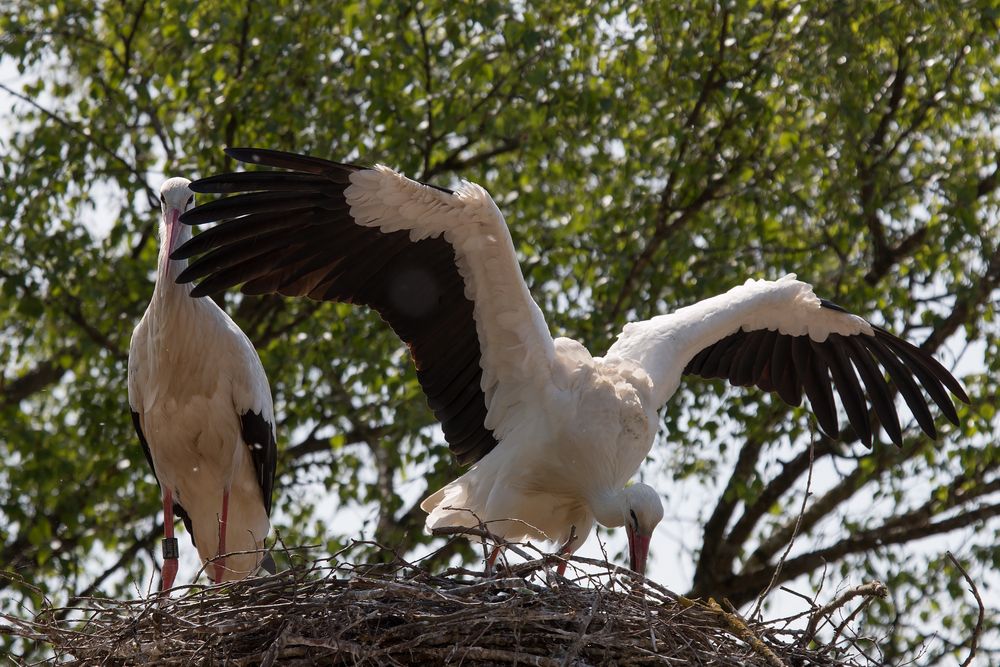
(438, 265)
(780, 337)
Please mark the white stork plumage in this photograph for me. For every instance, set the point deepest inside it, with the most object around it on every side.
(202, 409)
(554, 433)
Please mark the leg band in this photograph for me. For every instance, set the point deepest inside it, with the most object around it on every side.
(169, 546)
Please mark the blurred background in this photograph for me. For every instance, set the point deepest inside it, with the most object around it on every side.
(645, 156)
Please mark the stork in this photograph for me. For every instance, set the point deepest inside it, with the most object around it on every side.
(553, 433)
(202, 409)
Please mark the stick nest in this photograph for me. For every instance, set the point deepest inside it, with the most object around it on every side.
(334, 612)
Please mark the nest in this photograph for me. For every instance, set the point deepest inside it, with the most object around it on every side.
(334, 612)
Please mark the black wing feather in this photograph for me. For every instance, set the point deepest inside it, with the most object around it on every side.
(258, 434)
(904, 380)
(791, 364)
(818, 389)
(878, 389)
(846, 382)
(916, 360)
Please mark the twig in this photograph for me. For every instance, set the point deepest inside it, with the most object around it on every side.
(974, 640)
(481, 533)
(846, 622)
(574, 649)
(871, 589)
(795, 531)
(743, 631)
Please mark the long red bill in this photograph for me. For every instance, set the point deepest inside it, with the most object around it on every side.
(172, 228)
(638, 551)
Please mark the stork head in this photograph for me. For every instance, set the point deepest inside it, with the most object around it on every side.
(638, 508)
(642, 512)
(175, 198)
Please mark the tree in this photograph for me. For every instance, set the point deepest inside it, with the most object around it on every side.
(645, 156)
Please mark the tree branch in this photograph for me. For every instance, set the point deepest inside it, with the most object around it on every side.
(88, 139)
(45, 374)
(454, 163)
(974, 639)
(714, 558)
(743, 588)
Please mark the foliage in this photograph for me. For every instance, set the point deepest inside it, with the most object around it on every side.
(646, 156)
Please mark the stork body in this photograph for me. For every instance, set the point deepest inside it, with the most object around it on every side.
(202, 409)
(550, 476)
(553, 433)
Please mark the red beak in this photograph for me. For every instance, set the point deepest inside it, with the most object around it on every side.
(638, 551)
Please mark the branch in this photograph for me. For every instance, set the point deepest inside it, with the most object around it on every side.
(885, 257)
(127, 40)
(871, 589)
(454, 163)
(154, 201)
(232, 121)
(974, 640)
(743, 588)
(866, 168)
(791, 539)
(75, 313)
(777, 487)
(987, 184)
(711, 560)
(428, 91)
(44, 374)
(966, 305)
(144, 542)
(933, 97)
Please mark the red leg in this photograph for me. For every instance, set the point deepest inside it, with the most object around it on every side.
(492, 559)
(220, 565)
(565, 550)
(169, 571)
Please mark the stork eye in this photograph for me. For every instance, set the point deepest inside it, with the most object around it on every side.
(163, 200)
(190, 200)
(635, 519)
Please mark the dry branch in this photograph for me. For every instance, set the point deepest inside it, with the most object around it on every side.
(869, 590)
(973, 641)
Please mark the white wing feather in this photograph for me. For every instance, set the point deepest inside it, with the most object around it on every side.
(517, 349)
(250, 389)
(664, 345)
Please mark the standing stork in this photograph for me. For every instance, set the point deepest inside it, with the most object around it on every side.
(554, 433)
(202, 409)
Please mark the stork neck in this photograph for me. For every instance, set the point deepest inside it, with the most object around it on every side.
(608, 508)
(172, 234)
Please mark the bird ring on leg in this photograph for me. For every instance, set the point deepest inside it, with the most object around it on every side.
(170, 549)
